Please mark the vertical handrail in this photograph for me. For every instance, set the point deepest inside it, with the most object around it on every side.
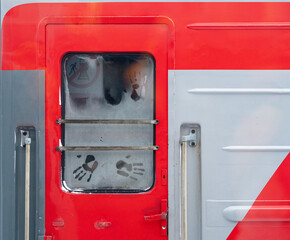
(186, 140)
(27, 187)
(184, 187)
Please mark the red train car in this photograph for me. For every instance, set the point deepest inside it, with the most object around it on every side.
(145, 120)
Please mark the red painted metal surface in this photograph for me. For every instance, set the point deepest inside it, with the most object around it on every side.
(102, 224)
(273, 222)
(164, 176)
(164, 222)
(58, 223)
(163, 217)
(155, 217)
(48, 238)
(208, 48)
(123, 213)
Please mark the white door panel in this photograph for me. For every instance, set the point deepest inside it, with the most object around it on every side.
(244, 134)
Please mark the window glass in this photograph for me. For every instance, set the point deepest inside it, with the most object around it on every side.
(110, 86)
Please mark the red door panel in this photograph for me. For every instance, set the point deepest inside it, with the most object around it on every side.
(107, 216)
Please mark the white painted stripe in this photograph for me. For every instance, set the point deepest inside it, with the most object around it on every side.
(59, 97)
(236, 213)
(257, 148)
(241, 90)
(266, 213)
(239, 25)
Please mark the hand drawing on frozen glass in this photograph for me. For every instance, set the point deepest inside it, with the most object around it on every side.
(108, 86)
(137, 75)
(88, 167)
(131, 170)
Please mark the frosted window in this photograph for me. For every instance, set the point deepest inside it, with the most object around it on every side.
(108, 86)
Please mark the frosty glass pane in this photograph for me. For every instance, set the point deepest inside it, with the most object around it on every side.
(116, 170)
(108, 86)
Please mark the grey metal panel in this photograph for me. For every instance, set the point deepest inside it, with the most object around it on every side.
(1, 127)
(244, 136)
(174, 168)
(1, 120)
(22, 104)
(7, 169)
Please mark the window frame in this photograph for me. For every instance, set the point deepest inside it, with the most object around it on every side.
(63, 111)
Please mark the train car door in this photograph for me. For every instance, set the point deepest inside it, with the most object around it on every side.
(106, 131)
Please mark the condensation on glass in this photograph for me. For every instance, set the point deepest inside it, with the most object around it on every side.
(108, 86)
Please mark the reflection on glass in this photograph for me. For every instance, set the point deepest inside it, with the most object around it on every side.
(108, 86)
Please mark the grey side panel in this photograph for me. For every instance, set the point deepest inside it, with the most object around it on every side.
(1, 151)
(244, 120)
(174, 167)
(22, 104)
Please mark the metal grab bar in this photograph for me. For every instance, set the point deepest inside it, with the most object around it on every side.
(186, 140)
(184, 187)
(105, 121)
(25, 142)
(104, 148)
(27, 189)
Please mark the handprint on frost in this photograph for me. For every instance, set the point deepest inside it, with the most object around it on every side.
(131, 170)
(135, 86)
(88, 167)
